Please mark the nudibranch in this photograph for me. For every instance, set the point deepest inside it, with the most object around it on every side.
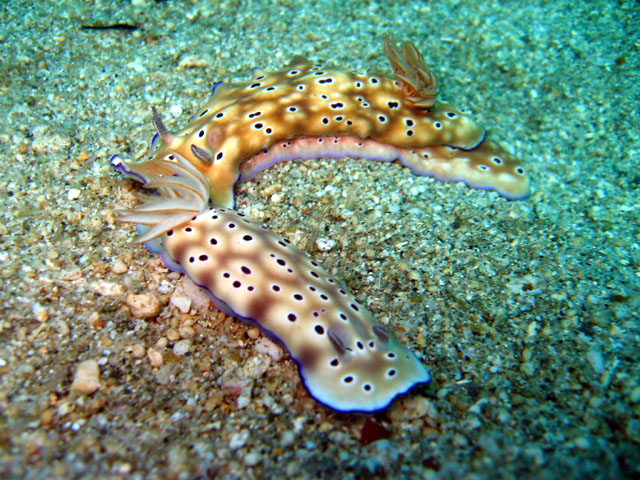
(346, 360)
(309, 110)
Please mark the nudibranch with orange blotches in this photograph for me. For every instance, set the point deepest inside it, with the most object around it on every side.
(346, 360)
(318, 111)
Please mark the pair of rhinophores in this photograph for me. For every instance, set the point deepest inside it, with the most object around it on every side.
(346, 360)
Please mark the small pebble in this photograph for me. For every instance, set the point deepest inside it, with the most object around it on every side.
(78, 424)
(264, 345)
(181, 348)
(582, 443)
(252, 458)
(164, 375)
(96, 405)
(200, 299)
(528, 368)
(94, 320)
(287, 438)
(173, 335)
(49, 143)
(244, 399)
(155, 357)
(411, 408)
(144, 306)
(239, 439)
(64, 409)
(276, 198)
(194, 61)
(40, 313)
(82, 157)
(596, 360)
(175, 110)
(165, 287)
(138, 350)
(62, 327)
(46, 418)
(107, 289)
(256, 366)
(119, 267)
(181, 301)
(459, 441)
(253, 333)
(325, 244)
(73, 194)
(186, 332)
(87, 377)
(214, 401)
(123, 468)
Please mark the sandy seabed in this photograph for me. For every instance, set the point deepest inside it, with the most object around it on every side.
(526, 312)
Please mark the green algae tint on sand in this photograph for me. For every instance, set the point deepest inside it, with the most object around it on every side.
(524, 313)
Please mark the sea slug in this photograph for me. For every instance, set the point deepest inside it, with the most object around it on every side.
(346, 360)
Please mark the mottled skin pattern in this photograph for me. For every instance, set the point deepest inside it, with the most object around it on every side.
(346, 361)
(308, 101)
(304, 100)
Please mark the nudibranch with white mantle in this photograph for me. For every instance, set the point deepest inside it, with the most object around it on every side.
(347, 361)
